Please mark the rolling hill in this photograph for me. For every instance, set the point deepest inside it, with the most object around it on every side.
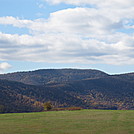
(94, 89)
(47, 76)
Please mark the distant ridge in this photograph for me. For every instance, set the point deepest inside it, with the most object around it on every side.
(87, 88)
(44, 76)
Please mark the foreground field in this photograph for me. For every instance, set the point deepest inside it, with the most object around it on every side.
(68, 122)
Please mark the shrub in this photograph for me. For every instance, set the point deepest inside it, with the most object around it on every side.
(47, 106)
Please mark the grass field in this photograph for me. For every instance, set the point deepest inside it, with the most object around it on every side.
(69, 122)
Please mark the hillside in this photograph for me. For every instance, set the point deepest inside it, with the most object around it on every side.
(127, 76)
(46, 76)
(85, 88)
(105, 92)
(19, 97)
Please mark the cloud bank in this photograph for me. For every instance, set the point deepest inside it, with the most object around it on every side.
(4, 66)
(101, 34)
(98, 3)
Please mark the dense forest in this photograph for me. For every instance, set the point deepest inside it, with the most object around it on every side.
(48, 76)
(93, 89)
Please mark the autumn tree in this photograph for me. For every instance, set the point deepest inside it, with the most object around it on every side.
(47, 106)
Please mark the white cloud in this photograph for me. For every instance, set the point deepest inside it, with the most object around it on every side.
(16, 22)
(4, 66)
(66, 48)
(85, 35)
(77, 20)
(102, 3)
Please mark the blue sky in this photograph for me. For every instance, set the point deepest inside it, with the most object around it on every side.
(91, 34)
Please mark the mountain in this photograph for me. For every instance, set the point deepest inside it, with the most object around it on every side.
(27, 91)
(46, 76)
(19, 97)
(127, 76)
(108, 92)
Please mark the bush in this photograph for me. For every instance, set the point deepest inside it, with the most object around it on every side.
(47, 106)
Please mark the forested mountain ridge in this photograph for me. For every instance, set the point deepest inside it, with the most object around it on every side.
(19, 97)
(64, 88)
(45, 76)
(126, 76)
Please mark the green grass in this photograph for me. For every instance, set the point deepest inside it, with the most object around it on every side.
(69, 122)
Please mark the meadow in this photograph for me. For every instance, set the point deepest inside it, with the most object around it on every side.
(69, 122)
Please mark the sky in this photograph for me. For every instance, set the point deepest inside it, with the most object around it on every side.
(85, 34)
